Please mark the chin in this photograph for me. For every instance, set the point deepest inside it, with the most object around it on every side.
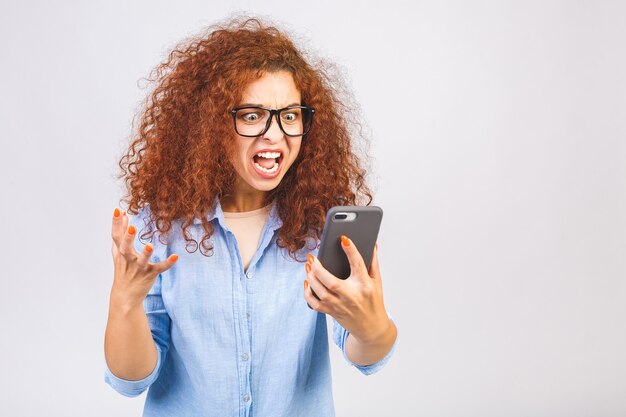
(267, 185)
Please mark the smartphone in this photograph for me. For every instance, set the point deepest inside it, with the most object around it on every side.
(360, 224)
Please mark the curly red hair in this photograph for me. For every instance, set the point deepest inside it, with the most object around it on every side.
(186, 119)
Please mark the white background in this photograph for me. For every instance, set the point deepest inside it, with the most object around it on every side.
(499, 136)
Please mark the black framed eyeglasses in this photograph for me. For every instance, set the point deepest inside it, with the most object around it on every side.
(253, 121)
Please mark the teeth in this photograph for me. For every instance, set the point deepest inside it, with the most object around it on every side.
(267, 171)
(269, 155)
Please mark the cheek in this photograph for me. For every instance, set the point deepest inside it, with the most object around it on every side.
(238, 162)
(294, 151)
(240, 159)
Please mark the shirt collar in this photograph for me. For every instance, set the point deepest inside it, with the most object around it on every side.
(274, 221)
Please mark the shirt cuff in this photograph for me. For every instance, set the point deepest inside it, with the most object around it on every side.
(133, 388)
(341, 335)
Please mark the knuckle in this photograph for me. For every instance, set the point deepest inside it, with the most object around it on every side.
(127, 253)
(368, 291)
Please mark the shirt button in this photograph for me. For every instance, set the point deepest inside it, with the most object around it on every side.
(246, 398)
(244, 357)
(249, 275)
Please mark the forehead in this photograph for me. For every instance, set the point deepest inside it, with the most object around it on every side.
(272, 89)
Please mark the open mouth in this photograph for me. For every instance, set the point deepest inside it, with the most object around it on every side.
(267, 164)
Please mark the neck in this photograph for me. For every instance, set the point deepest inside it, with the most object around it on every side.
(243, 198)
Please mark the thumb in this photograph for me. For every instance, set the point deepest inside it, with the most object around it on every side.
(357, 265)
(166, 264)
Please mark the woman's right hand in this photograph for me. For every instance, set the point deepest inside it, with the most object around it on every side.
(133, 274)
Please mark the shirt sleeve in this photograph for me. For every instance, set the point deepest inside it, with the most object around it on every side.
(340, 334)
(159, 322)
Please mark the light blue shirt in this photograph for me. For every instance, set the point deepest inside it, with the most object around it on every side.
(230, 342)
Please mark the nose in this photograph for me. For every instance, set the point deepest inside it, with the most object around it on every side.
(274, 132)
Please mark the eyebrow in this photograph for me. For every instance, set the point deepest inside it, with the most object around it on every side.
(268, 107)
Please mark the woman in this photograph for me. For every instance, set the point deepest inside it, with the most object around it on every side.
(242, 148)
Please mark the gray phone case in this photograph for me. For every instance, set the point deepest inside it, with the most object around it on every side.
(362, 230)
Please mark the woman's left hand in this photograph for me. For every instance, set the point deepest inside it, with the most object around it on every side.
(356, 302)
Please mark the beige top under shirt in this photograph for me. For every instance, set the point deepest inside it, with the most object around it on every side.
(247, 227)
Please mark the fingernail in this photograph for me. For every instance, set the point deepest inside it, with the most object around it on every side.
(345, 241)
(310, 258)
(307, 267)
(149, 248)
(173, 258)
(132, 229)
(124, 213)
(116, 212)
(376, 245)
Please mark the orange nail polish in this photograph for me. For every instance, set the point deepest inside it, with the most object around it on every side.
(149, 248)
(310, 258)
(307, 267)
(116, 212)
(131, 229)
(173, 258)
(345, 241)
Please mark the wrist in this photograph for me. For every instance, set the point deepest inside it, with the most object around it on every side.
(121, 303)
(377, 334)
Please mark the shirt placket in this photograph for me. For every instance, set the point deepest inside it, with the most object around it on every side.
(247, 280)
(241, 302)
(242, 333)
